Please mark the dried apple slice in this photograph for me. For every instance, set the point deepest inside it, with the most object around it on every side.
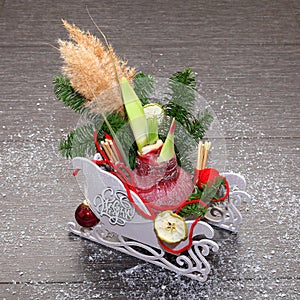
(170, 227)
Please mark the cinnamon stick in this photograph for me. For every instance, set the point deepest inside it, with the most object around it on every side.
(107, 150)
(200, 155)
(113, 150)
(205, 156)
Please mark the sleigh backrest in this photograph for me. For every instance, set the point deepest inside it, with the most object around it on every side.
(107, 195)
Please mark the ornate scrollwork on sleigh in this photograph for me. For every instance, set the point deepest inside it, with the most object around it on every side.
(115, 205)
(226, 214)
(192, 263)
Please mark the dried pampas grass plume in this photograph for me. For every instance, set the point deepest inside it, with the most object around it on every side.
(94, 69)
(85, 39)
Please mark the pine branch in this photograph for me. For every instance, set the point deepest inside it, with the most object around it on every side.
(187, 77)
(211, 191)
(180, 105)
(80, 142)
(143, 86)
(65, 145)
(116, 122)
(182, 86)
(181, 101)
(178, 112)
(200, 124)
(193, 129)
(193, 209)
(65, 92)
(207, 195)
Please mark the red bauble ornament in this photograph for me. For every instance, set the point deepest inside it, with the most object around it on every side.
(84, 216)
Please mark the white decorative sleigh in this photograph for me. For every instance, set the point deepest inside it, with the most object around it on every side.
(123, 227)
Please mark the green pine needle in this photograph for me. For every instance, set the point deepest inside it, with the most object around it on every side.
(79, 142)
(212, 191)
(182, 86)
(180, 104)
(65, 145)
(200, 124)
(143, 87)
(187, 77)
(65, 92)
(181, 101)
(207, 195)
(193, 209)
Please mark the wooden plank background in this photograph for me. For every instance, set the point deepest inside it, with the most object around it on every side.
(246, 54)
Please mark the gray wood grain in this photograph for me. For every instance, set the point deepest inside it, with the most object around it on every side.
(247, 57)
